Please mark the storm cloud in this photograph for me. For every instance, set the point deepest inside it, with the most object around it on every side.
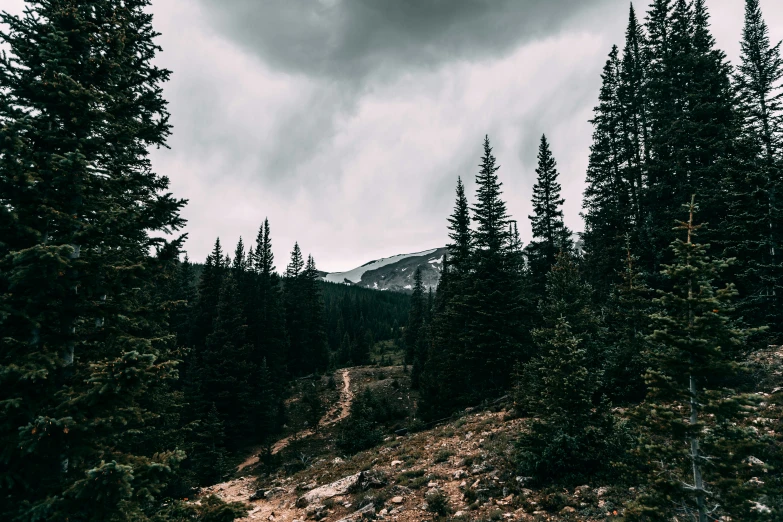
(349, 40)
(347, 122)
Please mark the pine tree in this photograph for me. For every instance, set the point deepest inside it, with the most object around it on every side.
(693, 123)
(226, 367)
(760, 79)
(755, 219)
(443, 377)
(414, 331)
(695, 443)
(494, 307)
(270, 336)
(208, 295)
(415, 318)
(185, 293)
(608, 213)
(304, 316)
(317, 346)
(570, 439)
(459, 232)
(549, 232)
(633, 103)
(627, 330)
(81, 211)
(209, 457)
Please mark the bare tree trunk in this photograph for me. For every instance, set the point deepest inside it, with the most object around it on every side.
(698, 482)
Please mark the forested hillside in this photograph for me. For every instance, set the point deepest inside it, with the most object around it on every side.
(135, 386)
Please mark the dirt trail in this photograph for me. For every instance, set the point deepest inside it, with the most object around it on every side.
(342, 409)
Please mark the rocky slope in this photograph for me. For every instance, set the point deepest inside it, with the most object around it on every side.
(461, 469)
(394, 273)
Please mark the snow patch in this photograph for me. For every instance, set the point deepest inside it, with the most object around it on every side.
(408, 287)
(436, 261)
(355, 275)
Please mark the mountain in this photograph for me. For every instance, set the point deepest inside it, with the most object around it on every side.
(394, 273)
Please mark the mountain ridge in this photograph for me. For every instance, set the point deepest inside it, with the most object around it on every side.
(394, 273)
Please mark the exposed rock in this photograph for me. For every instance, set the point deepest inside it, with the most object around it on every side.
(267, 493)
(396, 463)
(396, 500)
(369, 508)
(372, 479)
(339, 487)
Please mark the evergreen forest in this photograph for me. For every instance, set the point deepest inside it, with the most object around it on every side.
(132, 376)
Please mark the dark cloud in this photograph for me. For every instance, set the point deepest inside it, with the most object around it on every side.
(348, 39)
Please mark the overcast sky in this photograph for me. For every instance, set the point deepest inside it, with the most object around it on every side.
(347, 122)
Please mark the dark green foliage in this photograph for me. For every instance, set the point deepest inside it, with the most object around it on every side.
(754, 226)
(494, 306)
(606, 198)
(209, 509)
(627, 329)
(208, 457)
(415, 333)
(550, 234)
(573, 436)
(695, 443)
(481, 313)
(459, 232)
(571, 439)
(308, 349)
(85, 344)
(362, 429)
(356, 314)
(438, 503)
(314, 405)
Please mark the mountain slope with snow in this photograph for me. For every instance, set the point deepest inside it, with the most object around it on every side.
(394, 273)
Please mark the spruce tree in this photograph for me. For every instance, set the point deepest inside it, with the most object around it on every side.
(694, 441)
(549, 232)
(760, 78)
(570, 440)
(443, 378)
(459, 232)
(693, 124)
(755, 223)
(608, 213)
(226, 368)
(208, 295)
(633, 104)
(495, 334)
(81, 212)
(627, 323)
(415, 318)
(317, 346)
(270, 336)
(414, 331)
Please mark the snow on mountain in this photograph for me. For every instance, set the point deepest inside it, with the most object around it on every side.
(394, 273)
(355, 275)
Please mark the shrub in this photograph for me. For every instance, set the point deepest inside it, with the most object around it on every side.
(443, 455)
(438, 503)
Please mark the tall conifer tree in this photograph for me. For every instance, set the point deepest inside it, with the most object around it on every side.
(495, 335)
(550, 234)
(80, 211)
(702, 473)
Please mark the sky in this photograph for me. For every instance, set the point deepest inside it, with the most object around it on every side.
(347, 122)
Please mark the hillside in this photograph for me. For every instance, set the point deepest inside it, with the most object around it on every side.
(394, 273)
